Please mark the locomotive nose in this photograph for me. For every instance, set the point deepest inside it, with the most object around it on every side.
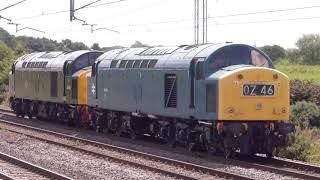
(253, 93)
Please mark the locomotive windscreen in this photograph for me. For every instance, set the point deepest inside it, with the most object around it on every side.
(233, 55)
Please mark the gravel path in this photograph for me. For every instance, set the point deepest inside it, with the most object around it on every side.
(71, 163)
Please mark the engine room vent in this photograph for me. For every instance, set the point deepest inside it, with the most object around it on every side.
(170, 91)
(158, 51)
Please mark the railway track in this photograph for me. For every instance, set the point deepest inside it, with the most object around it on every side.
(168, 162)
(283, 167)
(13, 168)
(286, 168)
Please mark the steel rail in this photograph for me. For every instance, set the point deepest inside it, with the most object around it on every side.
(168, 161)
(273, 165)
(31, 167)
(257, 162)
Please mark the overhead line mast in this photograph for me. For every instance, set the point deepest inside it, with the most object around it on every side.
(200, 9)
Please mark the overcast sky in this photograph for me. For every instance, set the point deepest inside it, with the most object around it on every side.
(147, 21)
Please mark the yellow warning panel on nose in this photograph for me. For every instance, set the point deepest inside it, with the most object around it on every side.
(257, 95)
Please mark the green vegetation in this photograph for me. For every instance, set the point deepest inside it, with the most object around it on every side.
(304, 144)
(305, 114)
(304, 91)
(302, 65)
(275, 52)
(299, 71)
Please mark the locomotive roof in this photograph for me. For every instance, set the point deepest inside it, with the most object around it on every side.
(50, 60)
(177, 57)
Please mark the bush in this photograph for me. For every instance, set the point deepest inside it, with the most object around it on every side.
(298, 149)
(304, 90)
(275, 52)
(304, 114)
(4, 95)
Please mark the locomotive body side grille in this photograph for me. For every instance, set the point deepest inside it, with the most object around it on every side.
(170, 91)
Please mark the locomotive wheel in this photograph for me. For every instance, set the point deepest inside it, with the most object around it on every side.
(119, 129)
(171, 138)
(269, 155)
(191, 147)
(119, 132)
(106, 129)
(171, 142)
(227, 153)
(210, 149)
(133, 134)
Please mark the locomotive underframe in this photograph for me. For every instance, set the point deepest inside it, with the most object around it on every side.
(215, 137)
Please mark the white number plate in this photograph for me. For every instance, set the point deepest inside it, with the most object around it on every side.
(258, 90)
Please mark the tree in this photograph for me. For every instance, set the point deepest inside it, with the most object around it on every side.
(20, 48)
(309, 48)
(79, 46)
(66, 44)
(275, 52)
(139, 44)
(95, 46)
(6, 60)
(293, 54)
(8, 39)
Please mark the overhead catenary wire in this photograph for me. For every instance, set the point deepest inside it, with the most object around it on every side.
(224, 16)
(256, 22)
(1, 17)
(268, 21)
(225, 24)
(65, 11)
(173, 21)
(17, 27)
(87, 5)
(12, 5)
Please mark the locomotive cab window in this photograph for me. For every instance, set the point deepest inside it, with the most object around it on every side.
(68, 69)
(93, 70)
(144, 64)
(114, 63)
(13, 68)
(152, 63)
(228, 56)
(123, 64)
(136, 63)
(258, 59)
(200, 70)
(129, 64)
(24, 64)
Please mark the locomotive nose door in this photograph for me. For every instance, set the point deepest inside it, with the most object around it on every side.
(67, 75)
(196, 73)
